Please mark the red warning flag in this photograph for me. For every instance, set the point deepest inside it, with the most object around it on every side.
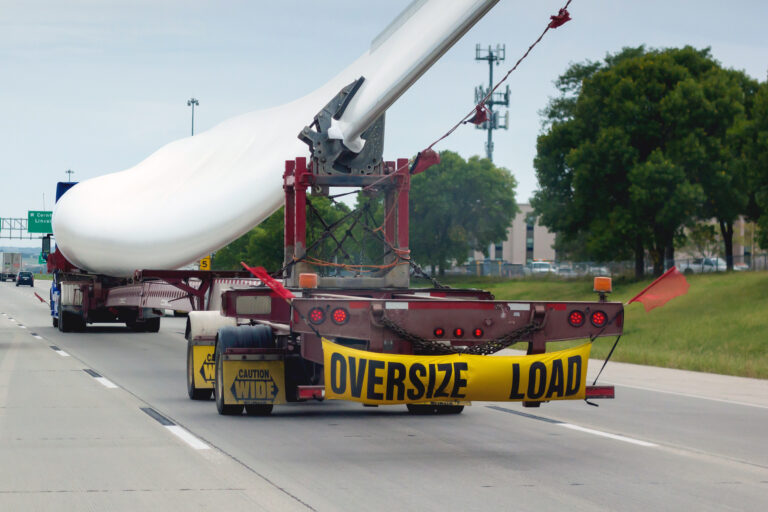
(671, 284)
(278, 288)
(481, 114)
(424, 160)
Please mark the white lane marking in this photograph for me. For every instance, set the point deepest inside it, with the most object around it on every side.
(606, 434)
(187, 437)
(105, 382)
(689, 395)
(22, 326)
(61, 353)
(36, 336)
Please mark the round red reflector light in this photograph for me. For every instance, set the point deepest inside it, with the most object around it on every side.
(439, 332)
(458, 332)
(576, 318)
(316, 316)
(340, 316)
(477, 333)
(598, 319)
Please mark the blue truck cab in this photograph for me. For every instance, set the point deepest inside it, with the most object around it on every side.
(55, 293)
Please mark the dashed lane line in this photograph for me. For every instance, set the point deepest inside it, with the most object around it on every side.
(579, 428)
(101, 380)
(180, 432)
(59, 351)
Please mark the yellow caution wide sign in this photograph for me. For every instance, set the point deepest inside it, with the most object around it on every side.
(375, 378)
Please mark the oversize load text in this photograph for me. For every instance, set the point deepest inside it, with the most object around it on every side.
(376, 378)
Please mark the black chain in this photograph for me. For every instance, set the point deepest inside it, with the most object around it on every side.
(425, 346)
(419, 272)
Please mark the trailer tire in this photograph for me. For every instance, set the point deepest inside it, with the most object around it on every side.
(194, 392)
(246, 336)
(152, 324)
(223, 342)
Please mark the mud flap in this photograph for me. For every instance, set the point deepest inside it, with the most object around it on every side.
(247, 380)
(204, 368)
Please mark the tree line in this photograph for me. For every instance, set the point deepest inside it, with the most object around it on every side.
(646, 143)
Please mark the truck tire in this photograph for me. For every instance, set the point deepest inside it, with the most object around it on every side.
(194, 392)
(55, 322)
(251, 336)
(147, 325)
(77, 322)
(152, 324)
(218, 383)
(428, 409)
(63, 327)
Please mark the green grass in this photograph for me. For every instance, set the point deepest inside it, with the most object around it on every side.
(719, 326)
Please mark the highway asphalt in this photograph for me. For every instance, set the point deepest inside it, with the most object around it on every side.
(670, 440)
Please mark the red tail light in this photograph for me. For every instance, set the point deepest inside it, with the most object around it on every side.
(458, 332)
(439, 332)
(316, 316)
(598, 319)
(576, 318)
(340, 316)
(477, 333)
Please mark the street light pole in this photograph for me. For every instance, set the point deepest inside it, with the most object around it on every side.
(191, 102)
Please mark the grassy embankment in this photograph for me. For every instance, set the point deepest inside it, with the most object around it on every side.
(719, 326)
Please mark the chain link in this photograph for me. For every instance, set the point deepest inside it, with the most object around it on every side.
(425, 346)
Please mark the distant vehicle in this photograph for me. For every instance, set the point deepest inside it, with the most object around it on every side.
(595, 270)
(10, 264)
(566, 271)
(703, 265)
(740, 267)
(25, 277)
(542, 267)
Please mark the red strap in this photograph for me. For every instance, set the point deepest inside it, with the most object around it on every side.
(262, 274)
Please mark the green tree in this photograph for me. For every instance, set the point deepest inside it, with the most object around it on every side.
(749, 137)
(631, 147)
(458, 206)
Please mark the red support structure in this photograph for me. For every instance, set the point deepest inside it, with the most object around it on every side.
(290, 209)
(302, 179)
(389, 209)
(404, 186)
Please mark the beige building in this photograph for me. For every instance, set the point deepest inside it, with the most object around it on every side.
(525, 242)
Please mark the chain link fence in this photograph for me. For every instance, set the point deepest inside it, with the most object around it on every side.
(570, 269)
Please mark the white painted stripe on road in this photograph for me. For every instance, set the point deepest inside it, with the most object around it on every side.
(105, 382)
(61, 353)
(689, 395)
(188, 438)
(36, 336)
(22, 326)
(606, 434)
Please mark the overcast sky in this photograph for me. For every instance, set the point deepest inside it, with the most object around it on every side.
(96, 86)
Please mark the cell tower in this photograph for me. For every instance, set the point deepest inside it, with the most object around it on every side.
(495, 121)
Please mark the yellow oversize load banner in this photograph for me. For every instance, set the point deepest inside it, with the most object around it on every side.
(375, 378)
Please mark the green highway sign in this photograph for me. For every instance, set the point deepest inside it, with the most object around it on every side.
(39, 222)
(40, 259)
